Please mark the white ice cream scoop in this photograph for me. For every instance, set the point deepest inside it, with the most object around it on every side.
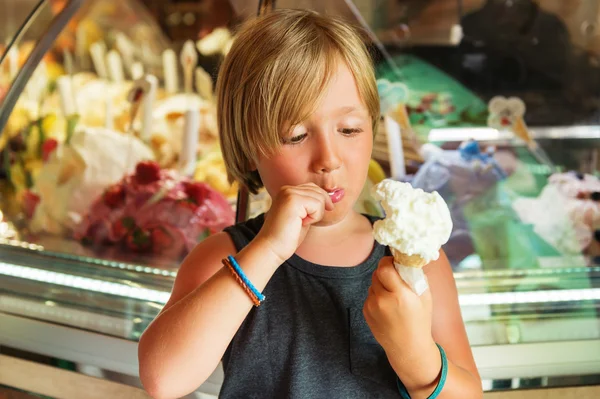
(416, 226)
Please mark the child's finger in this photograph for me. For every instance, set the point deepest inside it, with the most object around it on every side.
(313, 187)
(314, 209)
(376, 287)
(388, 276)
(314, 192)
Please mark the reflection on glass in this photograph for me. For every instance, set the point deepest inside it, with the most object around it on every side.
(19, 33)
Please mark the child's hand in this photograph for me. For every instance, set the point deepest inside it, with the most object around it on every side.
(294, 210)
(399, 319)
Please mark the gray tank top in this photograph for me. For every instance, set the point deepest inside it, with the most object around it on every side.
(309, 338)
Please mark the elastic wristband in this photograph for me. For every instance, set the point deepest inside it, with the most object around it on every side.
(237, 278)
(440, 384)
(240, 273)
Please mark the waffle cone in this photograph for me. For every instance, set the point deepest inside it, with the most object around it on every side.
(408, 260)
(520, 129)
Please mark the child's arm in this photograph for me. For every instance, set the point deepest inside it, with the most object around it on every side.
(185, 343)
(448, 330)
(408, 326)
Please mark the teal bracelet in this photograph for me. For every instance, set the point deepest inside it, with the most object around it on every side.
(440, 385)
(242, 275)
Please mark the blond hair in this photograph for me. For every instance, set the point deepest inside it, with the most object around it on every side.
(273, 78)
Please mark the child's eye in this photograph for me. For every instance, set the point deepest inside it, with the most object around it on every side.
(350, 131)
(296, 139)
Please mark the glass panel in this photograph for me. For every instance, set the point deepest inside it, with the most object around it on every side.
(523, 232)
(112, 298)
(90, 170)
(13, 14)
(21, 24)
(528, 306)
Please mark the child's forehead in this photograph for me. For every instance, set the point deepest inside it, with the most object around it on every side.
(340, 109)
(341, 95)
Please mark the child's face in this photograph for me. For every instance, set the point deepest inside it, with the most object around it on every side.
(332, 148)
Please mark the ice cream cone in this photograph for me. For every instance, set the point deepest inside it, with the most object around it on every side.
(520, 129)
(403, 259)
(406, 228)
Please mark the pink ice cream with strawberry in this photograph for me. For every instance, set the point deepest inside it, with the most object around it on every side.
(155, 210)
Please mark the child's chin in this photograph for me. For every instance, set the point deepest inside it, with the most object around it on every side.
(333, 217)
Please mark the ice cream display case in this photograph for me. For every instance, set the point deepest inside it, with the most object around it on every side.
(111, 169)
(110, 172)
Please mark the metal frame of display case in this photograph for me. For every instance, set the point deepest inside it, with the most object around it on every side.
(39, 51)
(72, 334)
(495, 362)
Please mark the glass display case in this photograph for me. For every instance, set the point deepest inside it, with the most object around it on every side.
(110, 169)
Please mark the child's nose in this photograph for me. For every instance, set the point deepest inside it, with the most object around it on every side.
(327, 158)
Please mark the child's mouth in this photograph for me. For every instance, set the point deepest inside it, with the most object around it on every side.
(336, 194)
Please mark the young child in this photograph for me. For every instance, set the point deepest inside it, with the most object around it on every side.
(297, 108)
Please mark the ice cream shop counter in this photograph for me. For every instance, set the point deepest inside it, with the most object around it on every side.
(528, 328)
(111, 172)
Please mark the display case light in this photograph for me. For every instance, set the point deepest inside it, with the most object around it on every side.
(524, 272)
(51, 311)
(94, 261)
(508, 298)
(161, 297)
(84, 283)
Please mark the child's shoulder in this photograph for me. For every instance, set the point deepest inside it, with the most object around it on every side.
(206, 257)
(243, 232)
(253, 224)
(200, 265)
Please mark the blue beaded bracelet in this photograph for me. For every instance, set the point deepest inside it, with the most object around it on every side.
(441, 383)
(240, 273)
